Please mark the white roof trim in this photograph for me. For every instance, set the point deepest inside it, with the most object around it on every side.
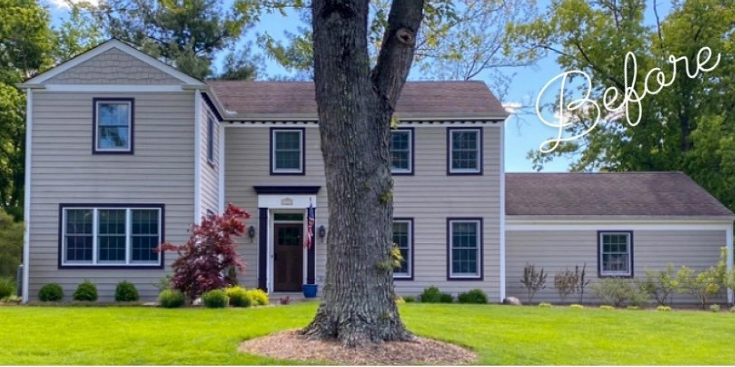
(105, 47)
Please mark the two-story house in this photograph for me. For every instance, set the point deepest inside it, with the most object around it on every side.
(125, 152)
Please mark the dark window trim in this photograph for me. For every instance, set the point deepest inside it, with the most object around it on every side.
(412, 135)
(411, 248)
(131, 131)
(60, 253)
(303, 151)
(481, 260)
(210, 139)
(292, 190)
(599, 254)
(480, 155)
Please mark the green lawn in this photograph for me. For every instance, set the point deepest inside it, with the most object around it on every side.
(500, 334)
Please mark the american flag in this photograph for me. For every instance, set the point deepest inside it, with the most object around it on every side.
(309, 238)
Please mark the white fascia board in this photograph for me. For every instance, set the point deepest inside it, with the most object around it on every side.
(112, 88)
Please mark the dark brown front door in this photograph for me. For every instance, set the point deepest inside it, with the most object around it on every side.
(288, 259)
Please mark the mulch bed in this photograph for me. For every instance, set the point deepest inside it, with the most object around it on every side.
(290, 345)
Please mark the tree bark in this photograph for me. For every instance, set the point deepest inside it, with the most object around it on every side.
(355, 108)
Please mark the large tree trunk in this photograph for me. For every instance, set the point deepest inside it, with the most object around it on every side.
(355, 108)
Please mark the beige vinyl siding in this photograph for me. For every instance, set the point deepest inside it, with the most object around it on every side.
(210, 173)
(557, 250)
(64, 170)
(429, 196)
(247, 162)
(114, 67)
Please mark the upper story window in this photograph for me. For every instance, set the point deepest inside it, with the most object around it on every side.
(210, 139)
(401, 150)
(616, 254)
(465, 248)
(287, 151)
(113, 125)
(110, 235)
(464, 151)
(403, 238)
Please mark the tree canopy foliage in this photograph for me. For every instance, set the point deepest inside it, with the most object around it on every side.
(185, 33)
(688, 126)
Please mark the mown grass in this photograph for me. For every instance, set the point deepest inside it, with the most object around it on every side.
(500, 334)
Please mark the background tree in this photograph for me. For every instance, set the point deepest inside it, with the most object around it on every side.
(26, 44)
(185, 33)
(687, 127)
(11, 245)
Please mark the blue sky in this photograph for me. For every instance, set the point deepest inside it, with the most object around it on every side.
(523, 132)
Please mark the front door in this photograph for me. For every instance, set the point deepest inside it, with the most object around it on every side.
(288, 257)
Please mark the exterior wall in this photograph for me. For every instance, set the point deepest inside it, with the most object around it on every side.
(209, 172)
(247, 164)
(428, 196)
(64, 170)
(113, 67)
(557, 250)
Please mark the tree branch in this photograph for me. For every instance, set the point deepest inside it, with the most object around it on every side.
(397, 49)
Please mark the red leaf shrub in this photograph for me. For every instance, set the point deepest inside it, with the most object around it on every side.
(204, 261)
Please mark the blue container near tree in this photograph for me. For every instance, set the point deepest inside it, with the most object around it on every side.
(310, 290)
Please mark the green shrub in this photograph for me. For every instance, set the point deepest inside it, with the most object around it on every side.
(446, 298)
(171, 298)
(258, 297)
(620, 292)
(239, 297)
(216, 298)
(473, 296)
(607, 307)
(576, 306)
(431, 295)
(11, 299)
(545, 305)
(661, 284)
(85, 292)
(663, 308)
(6, 287)
(714, 308)
(126, 292)
(634, 308)
(409, 299)
(51, 292)
(732, 309)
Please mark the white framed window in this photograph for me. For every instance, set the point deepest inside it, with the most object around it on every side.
(287, 151)
(113, 126)
(110, 235)
(615, 251)
(401, 150)
(403, 238)
(464, 151)
(465, 248)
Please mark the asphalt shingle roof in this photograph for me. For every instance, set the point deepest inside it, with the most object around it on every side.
(441, 98)
(609, 194)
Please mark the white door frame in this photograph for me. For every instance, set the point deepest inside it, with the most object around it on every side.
(284, 204)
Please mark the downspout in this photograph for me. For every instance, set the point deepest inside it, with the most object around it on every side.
(27, 195)
(728, 239)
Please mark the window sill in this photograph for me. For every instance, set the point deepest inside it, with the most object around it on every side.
(111, 266)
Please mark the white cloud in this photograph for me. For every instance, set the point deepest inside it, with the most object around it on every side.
(512, 107)
(65, 3)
